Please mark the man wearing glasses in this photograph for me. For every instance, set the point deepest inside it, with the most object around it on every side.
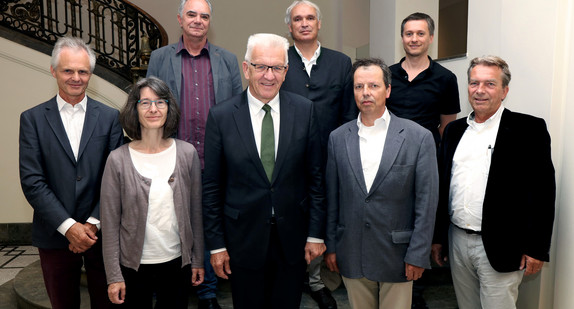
(263, 199)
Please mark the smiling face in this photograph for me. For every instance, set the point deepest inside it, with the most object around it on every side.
(416, 38)
(194, 19)
(72, 74)
(371, 93)
(264, 86)
(485, 91)
(152, 118)
(304, 25)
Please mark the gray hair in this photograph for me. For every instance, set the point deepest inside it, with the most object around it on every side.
(419, 16)
(73, 43)
(266, 40)
(492, 61)
(297, 2)
(182, 4)
(367, 62)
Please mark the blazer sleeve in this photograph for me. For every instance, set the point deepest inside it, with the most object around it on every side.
(115, 141)
(213, 185)
(316, 189)
(542, 194)
(33, 178)
(332, 186)
(426, 199)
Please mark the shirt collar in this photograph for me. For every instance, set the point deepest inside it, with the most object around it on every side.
(381, 123)
(180, 47)
(62, 103)
(256, 105)
(315, 55)
(494, 118)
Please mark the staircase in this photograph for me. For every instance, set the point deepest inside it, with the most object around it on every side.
(113, 28)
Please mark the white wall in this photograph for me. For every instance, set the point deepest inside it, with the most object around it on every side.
(25, 81)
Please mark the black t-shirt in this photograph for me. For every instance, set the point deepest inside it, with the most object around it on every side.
(432, 93)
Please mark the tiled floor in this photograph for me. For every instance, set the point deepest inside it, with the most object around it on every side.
(438, 293)
(13, 259)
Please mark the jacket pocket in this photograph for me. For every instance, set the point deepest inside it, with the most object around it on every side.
(401, 237)
(231, 212)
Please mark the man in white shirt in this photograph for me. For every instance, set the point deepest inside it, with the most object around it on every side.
(497, 192)
(263, 193)
(382, 192)
(64, 144)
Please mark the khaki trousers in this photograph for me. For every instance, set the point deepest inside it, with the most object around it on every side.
(366, 294)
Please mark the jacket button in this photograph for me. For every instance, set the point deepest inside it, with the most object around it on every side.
(171, 179)
(367, 200)
(307, 85)
(78, 178)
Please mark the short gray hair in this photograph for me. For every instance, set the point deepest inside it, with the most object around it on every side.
(266, 40)
(297, 2)
(492, 61)
(182, 4)
(73, 43)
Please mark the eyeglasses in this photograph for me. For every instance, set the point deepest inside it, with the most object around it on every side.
(262, 68)
(146, 104)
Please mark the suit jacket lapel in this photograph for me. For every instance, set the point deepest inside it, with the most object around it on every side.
(176, 67)
(285, 132)
(214, 59)
(55, 122)
(245, 129)
(90, 122)
(354, 154)
(393, 144)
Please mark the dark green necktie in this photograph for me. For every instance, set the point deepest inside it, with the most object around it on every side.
(267, 142)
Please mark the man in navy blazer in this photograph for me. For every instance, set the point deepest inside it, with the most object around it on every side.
(64, 144)
(497, 193)
(262, 221)
(199, 75)
(382, 192)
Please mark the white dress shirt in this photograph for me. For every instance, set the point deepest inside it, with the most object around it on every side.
(470, 169)
(73, 120)
(311, 62)
(372, 145)
(257, 113)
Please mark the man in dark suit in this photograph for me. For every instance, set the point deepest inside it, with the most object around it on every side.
(263, 193)
(497, 192)
(323, 76)
(64, 144)
(382, 192)
(199, 75)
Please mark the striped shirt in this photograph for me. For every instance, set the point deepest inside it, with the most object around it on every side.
(197, 96)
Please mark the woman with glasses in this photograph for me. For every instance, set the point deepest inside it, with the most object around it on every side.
(151, 206)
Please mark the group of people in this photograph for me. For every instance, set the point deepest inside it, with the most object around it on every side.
(317, 159)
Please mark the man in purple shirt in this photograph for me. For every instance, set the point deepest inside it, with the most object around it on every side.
(200, 75)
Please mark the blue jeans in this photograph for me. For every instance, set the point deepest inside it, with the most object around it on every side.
(208, 288)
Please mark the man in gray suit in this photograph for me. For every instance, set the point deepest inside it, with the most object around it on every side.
(200, 75)
(382, 192)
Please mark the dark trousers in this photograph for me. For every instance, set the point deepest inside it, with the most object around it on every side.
(169, 282)
(275, 285)
(62, 270)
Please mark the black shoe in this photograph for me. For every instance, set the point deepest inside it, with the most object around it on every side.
(324, 299)
(210, 303)
(419, 303)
